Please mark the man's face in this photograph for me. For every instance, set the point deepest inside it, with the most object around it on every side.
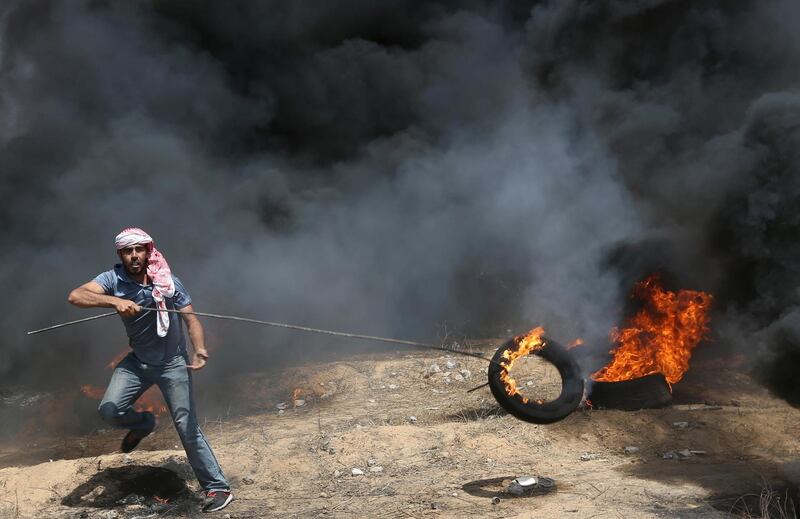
(134, 259)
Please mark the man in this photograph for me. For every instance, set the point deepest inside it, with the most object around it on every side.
(159, 356)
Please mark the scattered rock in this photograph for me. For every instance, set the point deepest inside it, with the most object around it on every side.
(451, 364)
(281, 406)
(299, 402)
(434, 505)
(434, 368)
(412, 419)
(529, 383)
(332, 450)
(444, 454)
(465, 373)
(337, 473)
(680, 425)
(458, 377)
(495, 500)
(588, 456)
(392, 386)
(372, 462)
(248, 481)
(131, 499)
(323, 494)
(670, 455)
(357, 472)
(127, 459)
(281, 412)
(109, 514)
(94, 494)
(377, 469)
(685, 453)
(631, 450)
(371, 400)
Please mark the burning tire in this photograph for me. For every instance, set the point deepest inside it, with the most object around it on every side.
(530, 410)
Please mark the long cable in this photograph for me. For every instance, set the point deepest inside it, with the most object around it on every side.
(278, 325)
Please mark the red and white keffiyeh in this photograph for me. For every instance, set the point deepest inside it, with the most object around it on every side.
(157, 270)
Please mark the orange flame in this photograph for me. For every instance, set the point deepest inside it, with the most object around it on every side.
(660, 338)
(530, 343)
(575, 343)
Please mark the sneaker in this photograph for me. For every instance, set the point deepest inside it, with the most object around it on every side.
(132, 439)
(134, 436)
(217, 500)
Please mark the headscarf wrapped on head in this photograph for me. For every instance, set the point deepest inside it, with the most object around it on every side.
(157, 270)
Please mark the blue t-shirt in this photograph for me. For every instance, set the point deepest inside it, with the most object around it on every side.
(147, 345)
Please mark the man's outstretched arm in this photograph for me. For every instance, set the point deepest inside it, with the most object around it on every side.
(197, 337)
(92, 295)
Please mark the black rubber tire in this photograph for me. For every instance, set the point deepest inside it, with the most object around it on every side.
(547, 412)
(647, 392)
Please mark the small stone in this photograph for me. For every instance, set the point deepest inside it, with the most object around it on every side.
(337, 473)
(529, 383)
(248, 481)
(680, 425)
(412, 419)
(299, 402)
(371, 400)
(489, 460)
(458, 377)
(588, 456)
(465, 373)
(357, 472)
(685, 453)
(454, 494)
(377, 469)
(281, 412)
(495, 500)
(282, 405)
(371, 462)
(392, 386)
(127, 459)
(393, 373)
(332, 450)
(631, 450)
(434, 505)
(434, 368)
(323, 494)
(669, 455)
(451, 364)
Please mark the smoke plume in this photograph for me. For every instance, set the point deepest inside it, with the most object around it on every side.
(400, 168)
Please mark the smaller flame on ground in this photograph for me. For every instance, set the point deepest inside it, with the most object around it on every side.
(574, 344)
(523, 345)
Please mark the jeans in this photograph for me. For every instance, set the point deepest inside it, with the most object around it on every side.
(131, 378)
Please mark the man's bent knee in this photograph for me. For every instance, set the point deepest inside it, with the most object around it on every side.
(108, 412)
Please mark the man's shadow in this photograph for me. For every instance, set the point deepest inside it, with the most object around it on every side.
(130, 485)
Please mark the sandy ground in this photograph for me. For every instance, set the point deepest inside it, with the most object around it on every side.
(428, 448)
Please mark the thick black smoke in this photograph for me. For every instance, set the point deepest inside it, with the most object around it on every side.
(399, 168)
